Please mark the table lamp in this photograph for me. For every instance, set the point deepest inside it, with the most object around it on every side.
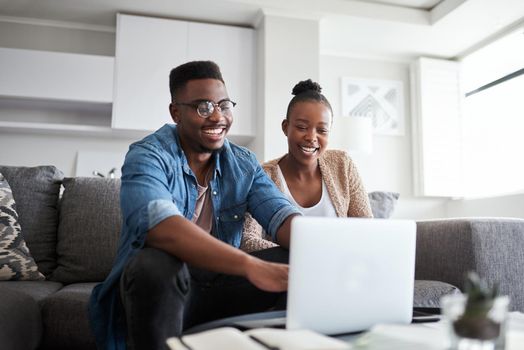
(358, 133)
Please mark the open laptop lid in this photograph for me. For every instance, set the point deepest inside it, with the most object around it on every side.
(347, 274)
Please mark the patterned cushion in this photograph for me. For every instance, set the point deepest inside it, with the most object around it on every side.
(16, 263)
(36, 190)
(382, 203)
(89, 229)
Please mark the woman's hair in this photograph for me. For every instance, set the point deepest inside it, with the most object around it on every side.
(307, 90)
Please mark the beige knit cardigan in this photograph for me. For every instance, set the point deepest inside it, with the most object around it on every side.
(344, 187)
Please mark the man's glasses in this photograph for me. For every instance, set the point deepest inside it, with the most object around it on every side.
(206, 108)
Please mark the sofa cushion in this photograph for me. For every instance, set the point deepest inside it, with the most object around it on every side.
(36, 191)
(428, 293)
(65, 315)
(382, 203)
(20, 320)
(38, 290)
(89, 229)
(16, 262)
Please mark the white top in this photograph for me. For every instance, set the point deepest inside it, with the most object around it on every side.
(323, 208)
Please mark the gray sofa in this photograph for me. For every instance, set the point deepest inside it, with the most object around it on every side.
(493, 247)
(72, 225)
(73, 238)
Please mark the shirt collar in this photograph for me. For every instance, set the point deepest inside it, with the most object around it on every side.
(215, 157)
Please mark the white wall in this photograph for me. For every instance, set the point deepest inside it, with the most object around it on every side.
(505, 206)
(287, 53)
(19, 149)
(389, 167)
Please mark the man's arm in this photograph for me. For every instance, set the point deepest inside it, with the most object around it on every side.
(185, 240)
(270, 208)
(284, 232)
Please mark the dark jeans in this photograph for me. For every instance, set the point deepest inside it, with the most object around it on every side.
(162, 296)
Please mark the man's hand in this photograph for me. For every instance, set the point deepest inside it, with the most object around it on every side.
(268, 276)
(185, 240)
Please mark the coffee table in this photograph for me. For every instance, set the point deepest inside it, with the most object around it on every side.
(415, 336)
(425, 336)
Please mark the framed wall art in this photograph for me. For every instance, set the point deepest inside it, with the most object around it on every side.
(380, 100)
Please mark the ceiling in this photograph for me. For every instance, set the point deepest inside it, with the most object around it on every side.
(418, 4)
(397, 29)
(446, 31)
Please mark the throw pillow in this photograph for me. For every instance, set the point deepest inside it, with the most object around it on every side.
(16, 263)
(89, 229)
(383, 203)
(36, 190)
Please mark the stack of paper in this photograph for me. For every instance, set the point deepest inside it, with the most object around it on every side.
(227, 338)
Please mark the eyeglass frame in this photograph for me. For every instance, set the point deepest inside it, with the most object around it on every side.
(197, 103)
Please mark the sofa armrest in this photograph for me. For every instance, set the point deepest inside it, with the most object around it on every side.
(493, 247)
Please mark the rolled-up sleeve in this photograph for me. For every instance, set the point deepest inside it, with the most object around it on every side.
(160, 209)
(267, 204)
(145, 196)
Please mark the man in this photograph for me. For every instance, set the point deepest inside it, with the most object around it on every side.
(185, 190)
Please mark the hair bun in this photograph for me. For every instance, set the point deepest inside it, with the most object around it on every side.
(306, 85)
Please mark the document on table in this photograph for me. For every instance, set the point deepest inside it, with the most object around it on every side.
(227, 338)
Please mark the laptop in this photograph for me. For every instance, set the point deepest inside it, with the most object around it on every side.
(345, 275)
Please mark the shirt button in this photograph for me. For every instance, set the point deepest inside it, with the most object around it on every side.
(215, 193)
(235, 217)
(218, 218)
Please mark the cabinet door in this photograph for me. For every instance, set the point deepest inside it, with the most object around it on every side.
(146, 51)
(233, 49)
(58, 76)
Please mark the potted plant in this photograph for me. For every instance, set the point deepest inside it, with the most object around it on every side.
(477, 316)
(475, 322)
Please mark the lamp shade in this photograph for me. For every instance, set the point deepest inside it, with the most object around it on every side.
(358, 134)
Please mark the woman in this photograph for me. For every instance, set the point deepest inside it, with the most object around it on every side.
(318, 181)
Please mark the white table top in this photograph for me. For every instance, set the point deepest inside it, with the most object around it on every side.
(425, 336)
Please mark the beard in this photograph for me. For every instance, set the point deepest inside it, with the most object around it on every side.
(204, 149)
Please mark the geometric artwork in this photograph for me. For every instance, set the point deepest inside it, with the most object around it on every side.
(380, 100)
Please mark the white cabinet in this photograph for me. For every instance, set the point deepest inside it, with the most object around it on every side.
(127, 94)
(233, 49)
(146, 51)
(46, 92)
(56, 76)
(148, 48)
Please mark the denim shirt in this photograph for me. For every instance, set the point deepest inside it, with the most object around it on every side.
(157, 183)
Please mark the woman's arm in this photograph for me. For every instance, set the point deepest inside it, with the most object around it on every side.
(359, 201)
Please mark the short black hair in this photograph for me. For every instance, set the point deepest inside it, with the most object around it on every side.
(193, 70)
(307, 90)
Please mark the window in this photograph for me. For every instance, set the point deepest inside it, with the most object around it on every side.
(493, 118)
(468, 122)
